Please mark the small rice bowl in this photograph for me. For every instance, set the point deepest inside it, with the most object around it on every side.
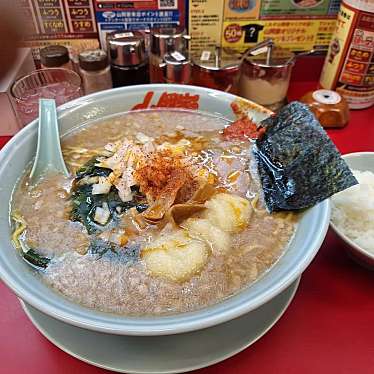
(353, 211)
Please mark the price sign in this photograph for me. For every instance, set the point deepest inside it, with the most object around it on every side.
(53, 26)
(82, 26)
(80, 13)
(233, 33)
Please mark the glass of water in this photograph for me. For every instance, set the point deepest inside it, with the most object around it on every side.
(60, 84)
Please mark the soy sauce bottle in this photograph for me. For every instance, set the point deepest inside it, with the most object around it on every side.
(128, 59)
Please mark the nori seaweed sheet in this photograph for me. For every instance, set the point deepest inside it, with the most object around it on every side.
(297, 162)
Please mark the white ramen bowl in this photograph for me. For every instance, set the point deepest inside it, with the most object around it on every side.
(362, 161)
(19, 152)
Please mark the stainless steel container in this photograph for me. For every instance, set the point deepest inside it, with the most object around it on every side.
(177, 68)
(128, 59)
(265, 76)
(164, 41)
(216, 68)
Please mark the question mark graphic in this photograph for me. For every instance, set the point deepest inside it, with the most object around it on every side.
(252, 30)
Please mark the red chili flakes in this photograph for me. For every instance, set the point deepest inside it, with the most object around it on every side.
(235, 108)
(162, 174)
(243, 129)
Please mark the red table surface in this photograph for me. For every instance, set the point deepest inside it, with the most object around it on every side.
(328, 328)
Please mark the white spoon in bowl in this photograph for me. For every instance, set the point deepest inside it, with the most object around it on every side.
(48, 153)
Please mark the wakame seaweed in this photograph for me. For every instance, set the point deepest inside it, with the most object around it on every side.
(126, 253)
(31, 256)
(100, 247)
(35, 259)
(84, 203)
(89, 169)
(297, 162)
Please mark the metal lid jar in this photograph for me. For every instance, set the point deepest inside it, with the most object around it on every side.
(126, 48)
(216, 68)
(128, 59)
(55, 56)
(163, 41)
(177, 68)
(265, 76)
(94, 70)
(93, 60)
(168, 39)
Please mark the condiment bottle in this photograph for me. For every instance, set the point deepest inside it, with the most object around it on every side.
(217, 68)
(265, 76)
(348, 66)
(162, 41)
(55, 56)
(177, 68)
(329, 107)
(129, 64)
(95, 71)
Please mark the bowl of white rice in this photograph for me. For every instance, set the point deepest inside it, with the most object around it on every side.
(352, 215)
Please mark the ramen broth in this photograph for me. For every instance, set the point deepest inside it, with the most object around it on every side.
(146, 275)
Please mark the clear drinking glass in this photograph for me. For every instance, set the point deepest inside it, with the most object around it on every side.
(60, 84)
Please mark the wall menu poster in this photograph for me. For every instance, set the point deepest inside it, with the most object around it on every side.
(295, 34)
(113, 15)
(58, 17)
(79, 24)
(66, 22)
(299, 25)
(242, 9)
(291, 8)
(296, 24)
(205, 24)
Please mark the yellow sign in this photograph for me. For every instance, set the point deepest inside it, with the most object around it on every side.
(241, 9)
(205, 23)
(296, 35)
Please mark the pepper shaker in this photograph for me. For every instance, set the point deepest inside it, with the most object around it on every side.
(95, 71)
(55, 56)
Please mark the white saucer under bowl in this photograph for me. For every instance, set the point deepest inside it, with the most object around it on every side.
(163, 354)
